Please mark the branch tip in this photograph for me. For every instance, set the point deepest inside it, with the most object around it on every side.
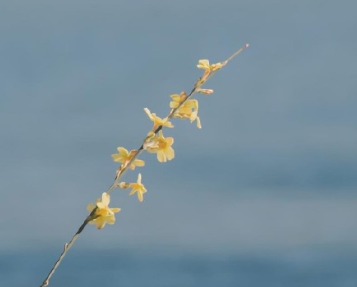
(238, 51)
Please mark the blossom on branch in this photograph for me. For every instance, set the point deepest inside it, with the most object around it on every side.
(161, 146)
(204, 64)
(177, 99)
(209, 69)
(189, 110)
(157, 120)
(103, 214)
(124, 157)
(137, 187)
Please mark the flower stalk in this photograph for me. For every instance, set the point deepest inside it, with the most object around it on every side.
(182, 107)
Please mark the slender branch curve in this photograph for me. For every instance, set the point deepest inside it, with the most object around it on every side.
(123, 168)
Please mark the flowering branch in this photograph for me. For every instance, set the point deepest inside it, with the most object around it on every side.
(182, 107)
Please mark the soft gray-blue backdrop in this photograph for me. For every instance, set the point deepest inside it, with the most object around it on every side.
(264, 195)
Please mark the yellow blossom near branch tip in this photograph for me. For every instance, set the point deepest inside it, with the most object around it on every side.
(103, 213)
(204, 64)
(157, 120)
(137, 187)
(124, 157)
(162, 147)
(209, 69)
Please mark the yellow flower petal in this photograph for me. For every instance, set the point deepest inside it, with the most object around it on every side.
(170, 153)
(169, 141)
(140, 197)
(161, 157)
(139, 162)
(123, 151)
(105, 198)
(100, 205)
(203, 64)
(198, 122)
(110, 220)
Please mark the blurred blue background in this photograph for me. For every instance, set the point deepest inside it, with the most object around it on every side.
(264, 195)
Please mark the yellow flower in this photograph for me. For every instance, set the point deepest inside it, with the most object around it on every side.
(103, 213)
(177, 100)
(157, 120)
(204, 64)
(209, 69)
(136, 187)
(189, 110)
(162, 147)
(124, 156)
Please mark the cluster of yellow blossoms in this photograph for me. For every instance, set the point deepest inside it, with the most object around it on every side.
(182, 107)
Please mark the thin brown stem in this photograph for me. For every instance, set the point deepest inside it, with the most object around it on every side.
(241, 49)
(66, 247)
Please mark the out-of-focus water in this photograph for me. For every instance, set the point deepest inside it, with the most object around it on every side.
(273, 168)
(130, 269)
